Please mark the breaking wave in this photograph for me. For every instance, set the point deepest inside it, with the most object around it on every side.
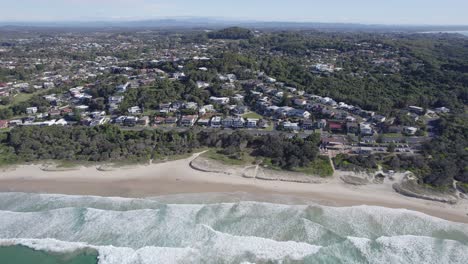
(167, 230)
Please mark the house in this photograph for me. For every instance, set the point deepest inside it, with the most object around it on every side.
(238, 122)
(202, 85)
(328, 101)
(263, 123)
(3, 124)
(177, 105)
(165, 106)
(365, 114)
(308, 124)
(122, 88)
(334, 143)
(48, 85)
(299, 113)
(16, 122)
(410, 130)
(191, 105)
(227, 122)
(115, 99)
(178, 75)
(61, 122)
(205, 109)
(31, 110)
(228, 86)
(216, 122)
(352, 127)
(238, 98)
(203, 122)
(50, 98)
(188, 121)
(291, 89)
(130, 121)
(231, 77)
(300, 102)
(234, 122)
(321, 124)
(240, 110)
(394, 129)
(159, 120)
(219, 100)
(416, 109)
(134, 110)
(66, 110)
(366, 129)
(363, 150)
(54, 112)
(335, 126)
(144, 121)
(379, 118)
(441, 110)
(171, 120)
(291, 126)
(120, 120)
(97, 121)
(82, 107)
(252, 122)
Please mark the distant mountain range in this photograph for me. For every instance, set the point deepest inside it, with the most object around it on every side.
(211, 23)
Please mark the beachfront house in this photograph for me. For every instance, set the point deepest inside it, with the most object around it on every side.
(216, 122)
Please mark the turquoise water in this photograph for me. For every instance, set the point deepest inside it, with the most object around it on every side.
(221, 228)
(24, 255)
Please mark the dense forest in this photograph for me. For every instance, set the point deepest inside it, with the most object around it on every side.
(231, 33)
(110, 143)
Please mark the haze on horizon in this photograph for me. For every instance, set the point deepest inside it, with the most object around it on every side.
(407, 12)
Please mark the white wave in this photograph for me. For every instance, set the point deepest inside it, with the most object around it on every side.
(148, 231)
(411, 249)
(110, 254)
(229, 246)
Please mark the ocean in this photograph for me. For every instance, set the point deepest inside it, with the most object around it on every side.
(218, 228)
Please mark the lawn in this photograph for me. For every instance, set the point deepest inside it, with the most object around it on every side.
(19, 98)
(320, 166)
(252, 115)
(213, 154)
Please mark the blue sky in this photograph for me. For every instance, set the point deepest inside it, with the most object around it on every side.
(443, 12)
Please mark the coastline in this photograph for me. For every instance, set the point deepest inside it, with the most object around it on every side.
(177, 177)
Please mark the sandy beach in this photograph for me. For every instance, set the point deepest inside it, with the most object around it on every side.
(177, 177)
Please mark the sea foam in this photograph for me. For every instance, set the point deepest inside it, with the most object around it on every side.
(138, 231)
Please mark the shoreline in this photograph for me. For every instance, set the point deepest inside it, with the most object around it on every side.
(177, 177)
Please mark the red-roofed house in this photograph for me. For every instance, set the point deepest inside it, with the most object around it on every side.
(3, 124)
(336, 126)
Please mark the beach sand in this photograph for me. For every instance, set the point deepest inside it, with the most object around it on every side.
(177, 177)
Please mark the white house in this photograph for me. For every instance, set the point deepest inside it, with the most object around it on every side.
(366, 129)
(134, 110)
(219, 100)
(31, 110)
(252, 122)
(216, 122)
(410, 130)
